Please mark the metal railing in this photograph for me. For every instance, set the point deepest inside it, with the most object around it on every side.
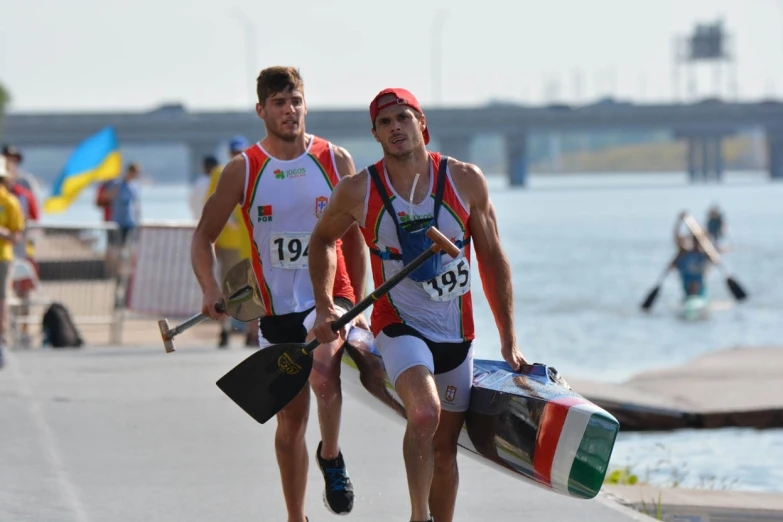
(100, 284)
(77, 266)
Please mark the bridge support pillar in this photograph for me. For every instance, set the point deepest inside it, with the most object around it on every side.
(197, 151)
(693, 160)
(457, 147)
(705, 157)
(717, 144)
(516, 159)
(775, 155)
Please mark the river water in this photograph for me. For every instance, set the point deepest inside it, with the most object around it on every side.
(585, 250)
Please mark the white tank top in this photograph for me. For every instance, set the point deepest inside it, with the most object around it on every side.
(441, 310)
(282, 203)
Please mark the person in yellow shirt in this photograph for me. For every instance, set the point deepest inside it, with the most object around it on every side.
(11, 228)
(233, 244)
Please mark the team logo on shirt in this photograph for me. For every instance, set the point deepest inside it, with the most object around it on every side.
(290, 173)
(320, 205)
(264, 213)
(451, 392)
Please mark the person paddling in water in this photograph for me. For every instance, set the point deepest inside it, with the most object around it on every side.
(716, 227)
(690, 262)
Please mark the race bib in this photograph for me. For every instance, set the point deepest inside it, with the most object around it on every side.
(452, 282)
(289, 249)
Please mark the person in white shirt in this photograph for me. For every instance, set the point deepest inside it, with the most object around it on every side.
(198, 191)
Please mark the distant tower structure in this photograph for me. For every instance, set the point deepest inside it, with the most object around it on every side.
(708, 44)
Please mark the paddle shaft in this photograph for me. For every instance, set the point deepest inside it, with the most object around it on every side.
(702, 238)
(440, 242)
(193, 321)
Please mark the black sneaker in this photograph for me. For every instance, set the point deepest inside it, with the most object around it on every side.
(223, 341)
(338, 493)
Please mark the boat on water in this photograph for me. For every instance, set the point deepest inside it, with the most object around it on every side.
(531, 425)
(695, 307)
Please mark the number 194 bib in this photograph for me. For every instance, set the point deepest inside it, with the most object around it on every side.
(452, 282)
(289, 249)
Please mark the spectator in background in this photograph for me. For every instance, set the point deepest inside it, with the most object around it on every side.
(716, 226)
(198, 193)
(14, 159)
(24, 248)
(125, 210)
(11, 228)
(102, 199)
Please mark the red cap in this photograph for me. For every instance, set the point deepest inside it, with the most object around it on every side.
(403, 98)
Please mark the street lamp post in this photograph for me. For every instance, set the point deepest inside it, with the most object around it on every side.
(251, 63)
(437, 58)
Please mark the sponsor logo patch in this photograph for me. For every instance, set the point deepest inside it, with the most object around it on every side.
(320, 205)
(451, 392)
(290, 173)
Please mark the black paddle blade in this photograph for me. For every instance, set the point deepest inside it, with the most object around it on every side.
(264, 383)
(736, 289)
(647, 304)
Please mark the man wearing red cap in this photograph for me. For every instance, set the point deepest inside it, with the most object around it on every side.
(424, 327)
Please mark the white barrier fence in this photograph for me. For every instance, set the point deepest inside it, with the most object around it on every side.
(162, 283)
(101, 284)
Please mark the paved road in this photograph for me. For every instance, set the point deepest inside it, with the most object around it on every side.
(134, 434)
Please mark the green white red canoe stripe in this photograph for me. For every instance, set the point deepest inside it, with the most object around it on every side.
(564, 445)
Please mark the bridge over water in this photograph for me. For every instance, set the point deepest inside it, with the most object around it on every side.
(703, 125)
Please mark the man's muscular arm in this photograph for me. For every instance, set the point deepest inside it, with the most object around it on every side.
(345, 205)
(217, 210)
(493, 264)
(353, 246)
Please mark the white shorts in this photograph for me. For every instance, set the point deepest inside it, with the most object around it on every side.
(308, 322)
(406, 351)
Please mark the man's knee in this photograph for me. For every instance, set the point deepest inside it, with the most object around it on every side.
(325, 376)
(423, 416)
(291, 426)
(292, 419)
(326, 384)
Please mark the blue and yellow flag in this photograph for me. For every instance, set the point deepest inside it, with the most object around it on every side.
(95, 159)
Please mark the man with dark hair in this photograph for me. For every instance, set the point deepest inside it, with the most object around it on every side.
(424, 326)
(283, 184)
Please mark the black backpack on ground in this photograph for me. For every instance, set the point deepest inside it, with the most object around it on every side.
(59, 329)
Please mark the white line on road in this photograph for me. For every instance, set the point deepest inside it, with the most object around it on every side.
(48, 441)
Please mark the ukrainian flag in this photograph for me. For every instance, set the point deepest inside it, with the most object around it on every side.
(95, 159)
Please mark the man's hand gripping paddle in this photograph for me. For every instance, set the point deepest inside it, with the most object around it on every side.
(241, 300)
(264, 383)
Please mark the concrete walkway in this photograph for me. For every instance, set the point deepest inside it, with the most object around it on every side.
(134, 434)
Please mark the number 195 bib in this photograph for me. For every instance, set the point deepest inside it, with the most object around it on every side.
(452, 281)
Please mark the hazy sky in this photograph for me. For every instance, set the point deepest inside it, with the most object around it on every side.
(92, 55)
